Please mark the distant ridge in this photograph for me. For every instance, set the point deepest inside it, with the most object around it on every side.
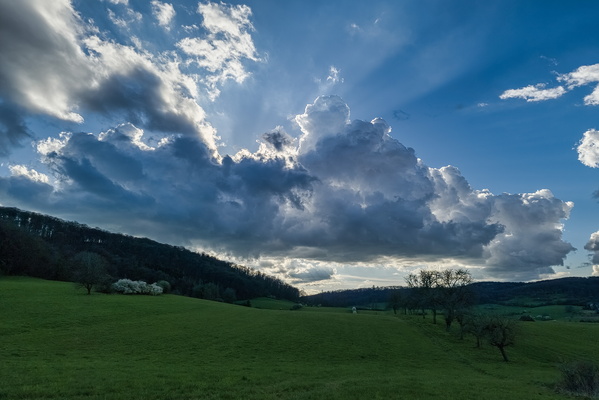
(570, 290)
(39, 245)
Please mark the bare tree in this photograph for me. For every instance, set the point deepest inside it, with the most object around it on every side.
(90, 270)
(455, 294)
(476, 325)
(502, 333)
(395, 300)
(424, 289)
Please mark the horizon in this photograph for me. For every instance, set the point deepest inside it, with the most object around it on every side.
(333, 145)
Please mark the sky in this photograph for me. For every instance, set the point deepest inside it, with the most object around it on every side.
(335, 145)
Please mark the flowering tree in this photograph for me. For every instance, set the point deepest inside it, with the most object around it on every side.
(127, 286)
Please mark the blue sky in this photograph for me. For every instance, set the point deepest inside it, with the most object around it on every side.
(333, 144)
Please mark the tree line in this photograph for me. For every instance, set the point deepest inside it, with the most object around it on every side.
(43, 246)
(450, 293)
(563, 291)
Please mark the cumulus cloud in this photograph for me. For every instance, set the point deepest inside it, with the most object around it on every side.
(354, 194)
(31, 174)
(41, 68)
(164, 13)
(593, 246)
(65, 68)
(584, 75)
(588, 148)
(532, 240)
(225, 48)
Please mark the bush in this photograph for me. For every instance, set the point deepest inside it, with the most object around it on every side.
(527, 318)
(165, 285)
(580, 378)
(127, 286)
(296, 307)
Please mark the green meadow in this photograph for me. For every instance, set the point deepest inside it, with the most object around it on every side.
(58, 343)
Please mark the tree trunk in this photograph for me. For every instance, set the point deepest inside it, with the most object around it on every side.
(502, 350)
(434, 316)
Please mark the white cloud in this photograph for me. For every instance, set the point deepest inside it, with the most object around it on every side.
(593, 246)
(125, 2)
(164, 13)
(584, 75)
(333, 78)
(534, 93)
(129, 133)
(334, 75)
(31, 174)
(588, 149)
(532, 239)
(226, 46)
(124, 21)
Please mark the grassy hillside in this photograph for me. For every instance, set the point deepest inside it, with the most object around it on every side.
(58, 343)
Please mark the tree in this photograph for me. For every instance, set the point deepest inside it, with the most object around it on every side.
(424, 290)
(502, 333)
(454, 292)
(395, 300)
(476, 324)
(90, 270)
(229, 295)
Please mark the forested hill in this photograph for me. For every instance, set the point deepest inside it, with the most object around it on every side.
(572, 291)
(42, 246)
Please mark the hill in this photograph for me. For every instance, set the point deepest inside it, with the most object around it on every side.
(58, 343)
(43, 246)
(570, 291)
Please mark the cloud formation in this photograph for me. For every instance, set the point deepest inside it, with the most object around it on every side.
(227, 45)
(345, 191)
(593, 246)
(66, 69)
(534, 93)
(584, 75)
(588, 148)
(337, 190)
(164, 13)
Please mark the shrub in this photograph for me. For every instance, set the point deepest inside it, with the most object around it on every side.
(580, 378)
(127, 286)
(527, 318)
(296, 307)
(165, 285)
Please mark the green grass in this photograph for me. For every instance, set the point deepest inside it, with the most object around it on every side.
(554, 312)
(58, 343)
(272, 304)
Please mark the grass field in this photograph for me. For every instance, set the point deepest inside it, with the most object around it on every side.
(58, 343)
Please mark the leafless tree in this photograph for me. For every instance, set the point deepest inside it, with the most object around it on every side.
(424, 289)
(502, 333)
(454, 292)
